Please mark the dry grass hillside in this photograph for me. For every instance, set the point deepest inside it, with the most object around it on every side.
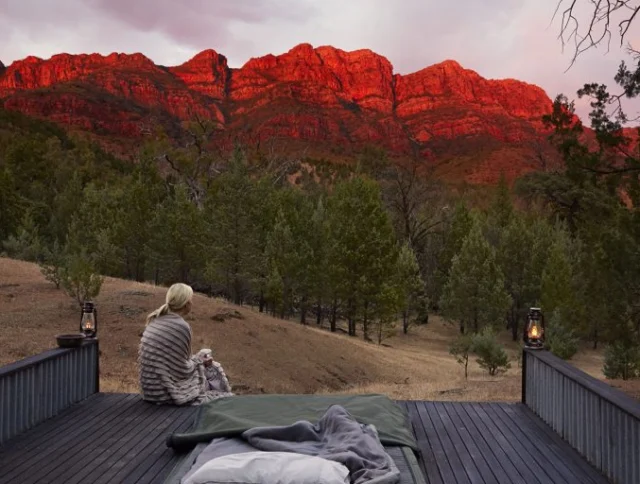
(260, 353)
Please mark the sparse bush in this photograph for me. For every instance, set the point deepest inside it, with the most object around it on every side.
(561, 340)
(519, 359)
(26, 243)
(622, 360)
(53, 264)
(461, 348)
(79, 278)
(491, 355)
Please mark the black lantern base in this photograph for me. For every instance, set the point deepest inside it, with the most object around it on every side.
(534, 345)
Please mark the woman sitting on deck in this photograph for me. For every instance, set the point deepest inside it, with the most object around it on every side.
(169, 374)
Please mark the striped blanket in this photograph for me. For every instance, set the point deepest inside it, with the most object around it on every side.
(169, 373)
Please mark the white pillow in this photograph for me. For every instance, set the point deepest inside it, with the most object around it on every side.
(270, 468)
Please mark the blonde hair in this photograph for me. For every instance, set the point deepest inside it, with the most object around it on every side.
(177, 297)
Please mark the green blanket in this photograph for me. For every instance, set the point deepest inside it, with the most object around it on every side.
(229, 417)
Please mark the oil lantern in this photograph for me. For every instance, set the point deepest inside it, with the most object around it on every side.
(89, 320)
(534, 329)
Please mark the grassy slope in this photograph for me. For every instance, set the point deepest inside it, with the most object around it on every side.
(261, 354)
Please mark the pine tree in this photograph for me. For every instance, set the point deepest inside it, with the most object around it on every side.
(363, 248)
(558, 291)
(289, 253)
(516, 257)
(500, 213)
(235, 249)
(474, 294)
(11, 204)
(454, 236)
(141, 198)
(264, 208)
(178, 238)
(384, 310)
(319, 245)
(410, 284)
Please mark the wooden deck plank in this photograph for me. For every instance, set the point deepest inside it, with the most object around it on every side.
(442, 463)
(114, 445)
(474, 445)
(440, 440)
(144, 452)
(64, 424)
(428, 460)
(121, 439)
(421, 458)
(526, 419)
(160, 455)
(536, 462)
(451, 428)
(51, 428)
(79, 448)
(500, 446)
(115, 441)
(45, 451)
(501, 465)
(552, 459)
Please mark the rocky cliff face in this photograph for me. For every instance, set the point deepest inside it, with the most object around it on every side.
(334, 100)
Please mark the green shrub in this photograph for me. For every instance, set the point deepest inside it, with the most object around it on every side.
(491, 355)
(622, 360)
(26, 243)
(461, 348)
(53, 264)
(79, 278)
(560, 339)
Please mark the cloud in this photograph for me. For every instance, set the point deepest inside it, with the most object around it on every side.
(496, 38)
(195, 22)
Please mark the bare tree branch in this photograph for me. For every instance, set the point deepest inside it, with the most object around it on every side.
(599, 16)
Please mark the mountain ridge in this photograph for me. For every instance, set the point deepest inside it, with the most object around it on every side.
(330, 100)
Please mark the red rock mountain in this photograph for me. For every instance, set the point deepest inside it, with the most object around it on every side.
(329, 101)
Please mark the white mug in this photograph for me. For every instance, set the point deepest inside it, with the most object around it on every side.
(205, 353)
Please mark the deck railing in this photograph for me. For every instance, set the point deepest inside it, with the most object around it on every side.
(39, 387)
(600, 422)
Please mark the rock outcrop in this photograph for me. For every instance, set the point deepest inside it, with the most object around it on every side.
(333, 99)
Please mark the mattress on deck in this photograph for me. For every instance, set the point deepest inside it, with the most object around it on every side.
(404, 458)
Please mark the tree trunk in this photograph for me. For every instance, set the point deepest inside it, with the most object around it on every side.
(285, 302)
(475, 323)
(334, 312)
(303, 310)
(237, 298)
(261, 301)
(405, 321)
(365, 322)
(319, 312)
(461, 327)
(466, 367)
(351, 318)
(595, 338)
(514, 322)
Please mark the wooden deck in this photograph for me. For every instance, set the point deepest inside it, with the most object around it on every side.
(469, 443)
(117, 438)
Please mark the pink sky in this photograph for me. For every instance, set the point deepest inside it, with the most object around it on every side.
(496, 38)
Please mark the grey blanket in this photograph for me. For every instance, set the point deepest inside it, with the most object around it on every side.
(338, 437)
